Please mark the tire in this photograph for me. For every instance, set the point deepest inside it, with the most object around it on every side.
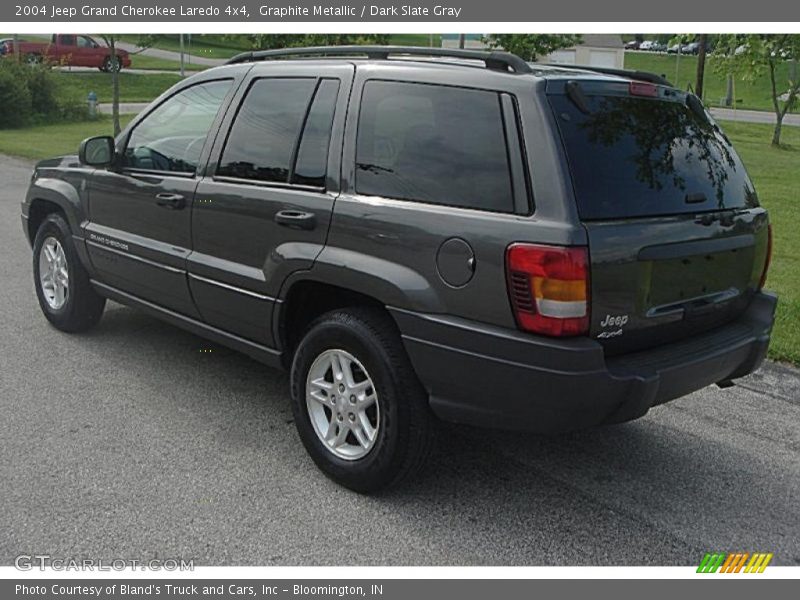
(79, 307)
(33, 58)
(403, 425)
(110, 65)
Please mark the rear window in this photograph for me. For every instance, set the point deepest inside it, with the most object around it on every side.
(433, 143)
(634, 157)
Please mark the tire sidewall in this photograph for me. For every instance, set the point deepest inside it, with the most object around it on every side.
(54, 226)
(378, 466)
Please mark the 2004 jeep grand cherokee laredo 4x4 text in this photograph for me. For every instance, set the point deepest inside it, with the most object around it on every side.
(421, 233)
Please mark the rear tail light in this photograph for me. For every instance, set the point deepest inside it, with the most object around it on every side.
(549, 288)
(768, 259)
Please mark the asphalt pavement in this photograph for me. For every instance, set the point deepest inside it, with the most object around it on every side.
(132, 442)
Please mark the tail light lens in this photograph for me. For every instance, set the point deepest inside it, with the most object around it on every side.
(768, 259)
(549, 288)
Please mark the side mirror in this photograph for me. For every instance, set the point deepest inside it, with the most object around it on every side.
(97, 151)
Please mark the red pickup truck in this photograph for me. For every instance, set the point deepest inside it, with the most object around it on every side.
(71, 50)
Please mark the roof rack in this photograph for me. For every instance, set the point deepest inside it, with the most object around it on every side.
(498, 61)
(628, 73)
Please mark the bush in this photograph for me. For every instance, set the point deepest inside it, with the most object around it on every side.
(16, 108)
(33, 92)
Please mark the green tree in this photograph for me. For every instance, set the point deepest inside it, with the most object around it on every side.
(529, 46)
(749, 56)
(115, 66)
(269, 41)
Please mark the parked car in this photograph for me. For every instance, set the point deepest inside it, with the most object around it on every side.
(414, 238)
(632, 45)
(646, 45)
(3, 47)
(72, 50)
(690, 48)
(658, 47)
(675, 48)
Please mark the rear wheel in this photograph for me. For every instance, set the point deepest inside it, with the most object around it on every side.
(359, 408)
(33, 58)
(65, 294)
(111, 64)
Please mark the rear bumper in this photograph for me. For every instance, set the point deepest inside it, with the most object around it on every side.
(496, 377)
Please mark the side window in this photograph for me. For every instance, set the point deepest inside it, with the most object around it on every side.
(433, 143)
(85, 42)
(276, 115)
(67, 40)
(171, 137)
(312, 156)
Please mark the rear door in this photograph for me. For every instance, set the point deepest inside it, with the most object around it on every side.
(677, 239)
(263, 209)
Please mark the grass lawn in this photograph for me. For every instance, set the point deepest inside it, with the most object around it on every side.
(751, 95)
(207, 46)
(140, 61)
(215, 46)
(776, 173)
(54, 140)
(133, 87)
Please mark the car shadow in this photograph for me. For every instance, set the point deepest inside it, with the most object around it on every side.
(637, 493)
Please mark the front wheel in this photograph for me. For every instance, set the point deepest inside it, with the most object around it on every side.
(65, 294)
(360, 410)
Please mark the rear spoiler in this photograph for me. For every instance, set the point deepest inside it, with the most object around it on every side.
(627, 73)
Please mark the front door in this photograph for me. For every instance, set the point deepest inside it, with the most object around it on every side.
(139, 233)
(263, 209)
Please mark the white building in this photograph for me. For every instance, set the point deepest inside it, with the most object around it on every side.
(596, 50)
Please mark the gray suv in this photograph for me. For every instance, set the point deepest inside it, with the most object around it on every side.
(421, 234)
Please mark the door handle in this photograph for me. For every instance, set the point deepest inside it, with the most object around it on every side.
(171, 201)
(296, 219)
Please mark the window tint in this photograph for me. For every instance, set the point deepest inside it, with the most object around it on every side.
(85, 42)
(312, 156)
(634, 157)
(171, 137)
(67, 40)
(432, 143)
(262, 140)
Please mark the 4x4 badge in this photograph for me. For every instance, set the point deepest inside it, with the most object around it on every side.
(618, 321)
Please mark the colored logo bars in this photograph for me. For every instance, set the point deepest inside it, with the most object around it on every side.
(734, 562)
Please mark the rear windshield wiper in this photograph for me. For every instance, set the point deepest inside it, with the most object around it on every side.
(576, 95)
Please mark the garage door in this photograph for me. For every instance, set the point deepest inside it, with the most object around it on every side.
(603, 58)
(563, 57)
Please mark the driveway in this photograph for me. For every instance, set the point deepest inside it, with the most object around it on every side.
(753, 116)
(136, 441)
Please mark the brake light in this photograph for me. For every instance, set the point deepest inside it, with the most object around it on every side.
(549, 288)
(768, 259)
(637, 88)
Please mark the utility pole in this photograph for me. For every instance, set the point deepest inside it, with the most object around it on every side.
(183, 67)
(702, 40)
(462, 38)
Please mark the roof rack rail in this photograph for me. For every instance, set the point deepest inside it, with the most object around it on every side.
(629, 73)
(498, 61)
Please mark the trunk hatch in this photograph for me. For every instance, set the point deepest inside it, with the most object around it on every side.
(677, 241)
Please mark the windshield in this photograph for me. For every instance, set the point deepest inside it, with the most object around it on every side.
(633, 156)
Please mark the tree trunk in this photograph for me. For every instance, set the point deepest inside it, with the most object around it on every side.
(114, 87)
(776, 135)
(701, 65)
(462, 40)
